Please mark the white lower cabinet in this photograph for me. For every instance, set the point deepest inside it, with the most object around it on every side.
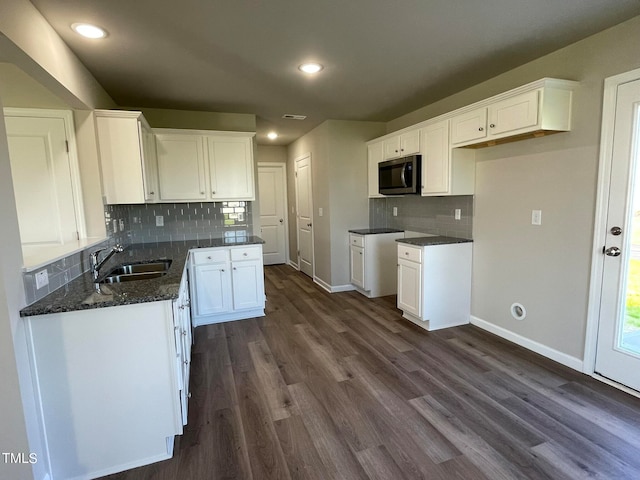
(227, 284)
(373, 262)
(434, 284)
(183, 339)
(107, 385)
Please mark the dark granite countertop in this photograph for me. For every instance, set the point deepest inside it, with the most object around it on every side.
(435, 240)
(375, 231)
(83, 294)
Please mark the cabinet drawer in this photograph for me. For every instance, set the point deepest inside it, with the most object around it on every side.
(407, 252)
(356, 240)
(210, 256)
(248, 253)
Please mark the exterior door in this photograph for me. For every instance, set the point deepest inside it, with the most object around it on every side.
(618, 344)
(273, 198)
(305, 213)
(42, 182)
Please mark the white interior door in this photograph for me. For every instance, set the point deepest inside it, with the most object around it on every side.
(305, 212)
(273, 200)
(618, 345)
(41, 172)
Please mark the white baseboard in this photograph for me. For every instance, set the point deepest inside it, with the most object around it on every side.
(332, 289)
(294, 265)
(555, 355)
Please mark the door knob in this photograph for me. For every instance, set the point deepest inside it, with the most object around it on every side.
(613, 251)
(281, 220)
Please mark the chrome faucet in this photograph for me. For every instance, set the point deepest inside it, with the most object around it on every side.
(95, 264)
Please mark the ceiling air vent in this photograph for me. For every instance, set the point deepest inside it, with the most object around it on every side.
(294, 117)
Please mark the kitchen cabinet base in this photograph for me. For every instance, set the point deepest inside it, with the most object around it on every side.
(430, 326)
(228, 317)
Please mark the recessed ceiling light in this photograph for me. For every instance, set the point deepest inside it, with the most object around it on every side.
(89, 31)
(310, 67)
(272, 135)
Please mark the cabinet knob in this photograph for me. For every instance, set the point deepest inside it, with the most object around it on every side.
(234, 268)
(360, 253)
(222, 270)
(209, 258)
(189, 395)
(492, 125)
(406, 253)
(152, 193)
(213, 192)
(201, 193)
(186, 362)
(480, 129)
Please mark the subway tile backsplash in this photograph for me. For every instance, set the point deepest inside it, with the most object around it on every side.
(434, 215)
(175, 222)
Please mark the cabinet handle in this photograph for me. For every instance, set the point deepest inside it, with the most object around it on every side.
(213, 192)
(189, 395)
(244, 254)
(234, 268)
(406, 253)
(201, 193)
(480, 129)
(360, 253)
(152, 193)
(209, 258)
(186, 362)
(222, 270)
(492, 125)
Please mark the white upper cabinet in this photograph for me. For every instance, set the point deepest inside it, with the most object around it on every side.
(469, 127)
(205, 165)
(231, 167)
(445, 171)
(127, 157)
(181, 167)
(375, 156)
(407, 143)
(535, 109)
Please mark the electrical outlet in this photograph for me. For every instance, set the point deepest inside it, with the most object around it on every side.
(457, 214)
(159, 221)
(121, 224)
(42, 279)
(536, 217)
(395, 211)
(114, 222)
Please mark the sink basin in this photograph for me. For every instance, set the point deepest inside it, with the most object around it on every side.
(129, 272)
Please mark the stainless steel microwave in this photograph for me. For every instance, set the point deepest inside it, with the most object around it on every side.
(400, 176)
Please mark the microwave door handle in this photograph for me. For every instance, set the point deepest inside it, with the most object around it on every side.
(402, 177)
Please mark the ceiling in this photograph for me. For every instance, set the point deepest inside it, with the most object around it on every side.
(382, 58)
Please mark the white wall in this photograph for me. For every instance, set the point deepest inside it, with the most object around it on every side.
(546, 268)
(16, 394)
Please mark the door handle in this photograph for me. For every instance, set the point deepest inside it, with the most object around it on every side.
(613, 251)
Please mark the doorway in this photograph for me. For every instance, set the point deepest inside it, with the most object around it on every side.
(304, 207)
(272, 185)
(615, 300)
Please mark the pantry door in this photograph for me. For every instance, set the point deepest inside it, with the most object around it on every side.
(618, 343)
(304, 214)
(272, 186)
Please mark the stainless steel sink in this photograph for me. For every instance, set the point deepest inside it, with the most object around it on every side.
(129, 272)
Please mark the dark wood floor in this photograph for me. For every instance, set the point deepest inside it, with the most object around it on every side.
(336, 386)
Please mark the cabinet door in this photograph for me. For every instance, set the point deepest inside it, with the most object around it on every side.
(231, 168)
(181, 167)
(248, 285)
(391, 147)
(212, 289)
(410, 143)
(149, 164)
(436, 159)
(410, 287)
(375, 156)
(357, 265)
(519, 112)
(469, 126)
(120, 149)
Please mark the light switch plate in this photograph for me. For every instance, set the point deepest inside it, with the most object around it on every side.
(536, 217)
(395, 211)
(159, 221)
(320, 212)
(457, 214)
(42, 279)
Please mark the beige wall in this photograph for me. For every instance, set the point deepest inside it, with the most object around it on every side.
(271, 153)
(546, 268)
(198, 120)
(339, 173)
